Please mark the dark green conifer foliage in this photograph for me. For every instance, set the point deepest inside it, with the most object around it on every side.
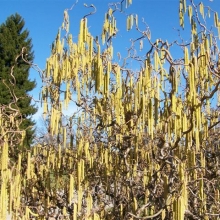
(13, 37)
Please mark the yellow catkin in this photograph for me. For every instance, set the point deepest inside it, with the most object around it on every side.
(29, 165)
(186, 58)
(89, 204)
(210, 39)
(81, 32)
(83, 168)
(131, 20)
(145, 177)
(85, 31)
(136, 20)
(150, 118)
(173, 97)
(48, 68)
(3, 198)
(184, 6)
(181, 18)
(135, 204)
(216, 19)
(4, 156)
(71, 188)
(201, 9)
(201, 185)
(156, 61)
(80, 195)
(121, 210)
(129, 23)
(28, 211)
(190, 13)
(79, 173)
(75, 211)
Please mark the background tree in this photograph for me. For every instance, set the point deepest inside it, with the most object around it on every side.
(13, 37)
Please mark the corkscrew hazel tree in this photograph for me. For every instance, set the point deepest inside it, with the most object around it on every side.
(144, 144)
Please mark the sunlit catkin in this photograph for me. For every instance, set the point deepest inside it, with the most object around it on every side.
(71, 188)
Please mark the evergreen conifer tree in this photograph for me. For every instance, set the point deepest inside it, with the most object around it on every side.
(13, 37)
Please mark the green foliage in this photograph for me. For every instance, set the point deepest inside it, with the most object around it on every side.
(15, 86)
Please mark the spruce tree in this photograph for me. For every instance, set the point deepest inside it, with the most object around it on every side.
(13, 37)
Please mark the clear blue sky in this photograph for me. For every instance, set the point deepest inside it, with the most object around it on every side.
(44, 17)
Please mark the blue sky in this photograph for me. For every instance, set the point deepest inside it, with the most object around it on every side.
(44, 17)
